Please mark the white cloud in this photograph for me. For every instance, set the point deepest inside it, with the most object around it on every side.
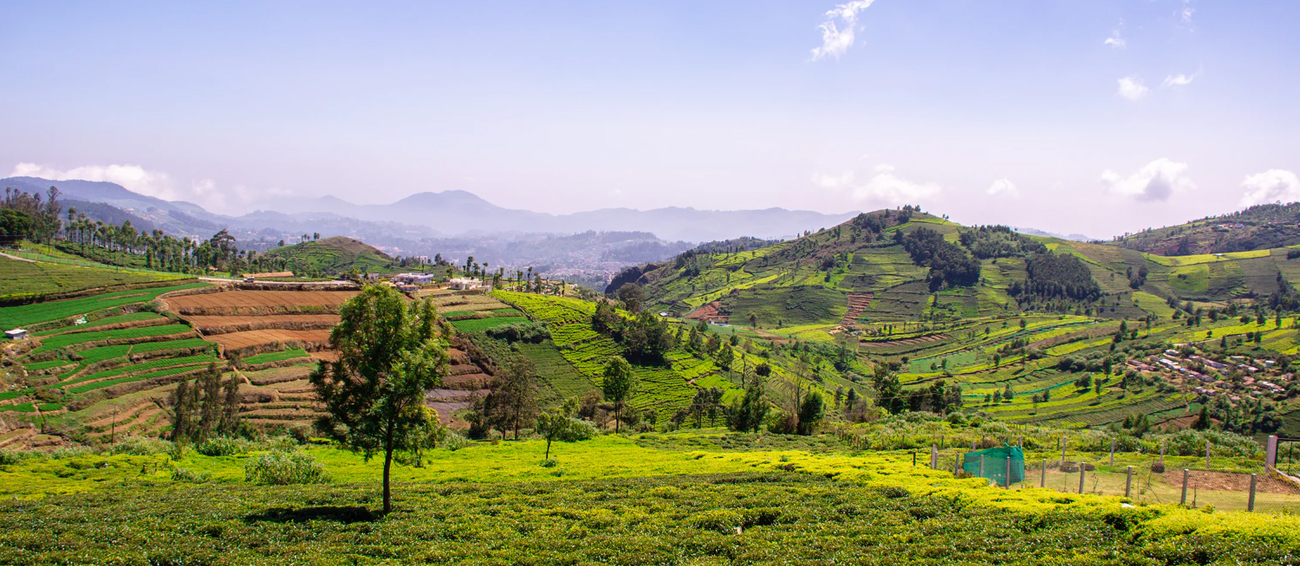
(882, 188)
(837, 38)
(1004, 187)
(1274, 185)
(1116, 39)
(137, 179)
(1178, 80)
(1132, 88)
(1185, 14)
(1157, 181)
(133, 177)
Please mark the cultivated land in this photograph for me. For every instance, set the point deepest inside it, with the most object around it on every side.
(1128, 334)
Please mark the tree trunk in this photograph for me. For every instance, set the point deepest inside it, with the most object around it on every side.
(388, 464)
(548, 448)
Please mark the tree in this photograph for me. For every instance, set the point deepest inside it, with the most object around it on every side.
(389, 355)
(811, 411)
(552, 427)
(632, 295)
(750, 412)
(618, 385)
(516, 393)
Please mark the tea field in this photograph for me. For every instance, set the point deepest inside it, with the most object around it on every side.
(652, 499)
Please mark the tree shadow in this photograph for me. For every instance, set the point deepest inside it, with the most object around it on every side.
(345, 515)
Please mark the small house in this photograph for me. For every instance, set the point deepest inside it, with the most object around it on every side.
(464, 283)
(16, 334)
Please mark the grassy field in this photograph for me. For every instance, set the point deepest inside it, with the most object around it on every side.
(24, 279)
(610, 500)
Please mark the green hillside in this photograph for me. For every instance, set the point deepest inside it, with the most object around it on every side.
(1259, 227)
(332, 256)
(1031, 329)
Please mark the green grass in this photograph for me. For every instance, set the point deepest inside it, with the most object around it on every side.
(276, 356)
(481, 324)
(34, 313)
(606, 501)
(61, 341)
(22, 279)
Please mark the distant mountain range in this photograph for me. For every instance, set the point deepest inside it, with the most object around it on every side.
(446, 213)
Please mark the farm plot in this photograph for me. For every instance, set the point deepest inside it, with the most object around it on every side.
(256, 303)
(25, 279)
(36, 313)
(233, 341)
(210, 325)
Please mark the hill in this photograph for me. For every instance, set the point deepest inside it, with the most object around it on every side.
(1032, 329)
(1256, 228)
(332, 256)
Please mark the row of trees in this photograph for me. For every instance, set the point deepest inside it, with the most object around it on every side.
(29, 216)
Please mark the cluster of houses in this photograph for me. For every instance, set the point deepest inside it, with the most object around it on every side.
(1255, 376)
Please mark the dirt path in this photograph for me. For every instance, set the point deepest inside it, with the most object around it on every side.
(16, 258)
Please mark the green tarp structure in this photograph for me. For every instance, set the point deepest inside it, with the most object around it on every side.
(995, 464)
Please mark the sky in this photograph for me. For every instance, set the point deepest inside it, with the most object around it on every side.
(1074, 116)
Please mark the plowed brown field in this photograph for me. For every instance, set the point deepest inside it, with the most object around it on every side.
(259, 299)
(208, 324)
(236, 340)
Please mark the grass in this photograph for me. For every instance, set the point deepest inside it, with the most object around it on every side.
(23, 315)
(607, 500)
(276, 356)
(23, 279)
(481, 324)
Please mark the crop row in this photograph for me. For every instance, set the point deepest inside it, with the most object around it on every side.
(276, 356)
(549, 309)
(117, 319)
(52, 343)
(23, 315)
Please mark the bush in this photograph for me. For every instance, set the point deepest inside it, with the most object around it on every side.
(220, 446)
(140, 446)
(532, 332)
(580, 430)
(71, 452)
(11, 457)
(284, 468)
(186, 475)
(455, 441)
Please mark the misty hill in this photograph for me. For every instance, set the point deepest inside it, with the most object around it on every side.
(1256, 228)
(461, 212)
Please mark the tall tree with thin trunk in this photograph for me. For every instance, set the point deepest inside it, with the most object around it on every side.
(390, 354)
(617, 386)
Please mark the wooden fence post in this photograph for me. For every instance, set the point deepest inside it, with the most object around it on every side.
(1250, 504)
(1183, 500)
(981, 474)
(1128, 482)
(1081, 472)
(934, 457)
(1112, 452)
(1042, 482)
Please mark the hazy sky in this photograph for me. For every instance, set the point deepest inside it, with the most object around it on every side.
(1092, 116)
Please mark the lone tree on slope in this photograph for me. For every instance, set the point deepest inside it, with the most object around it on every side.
(617, 386)
(390, 353)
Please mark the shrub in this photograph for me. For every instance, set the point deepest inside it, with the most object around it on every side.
(71, 452)
(186, 475)
(284, 468)
(11, 457)
(532, 332)
(580, 430)
(140, 446)
(220, 446)
(455, 442)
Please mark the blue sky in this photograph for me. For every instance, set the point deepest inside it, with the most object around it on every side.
(1009, 112)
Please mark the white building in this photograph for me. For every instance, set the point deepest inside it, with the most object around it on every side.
(413, 278)
(464, 283)
(16, 334)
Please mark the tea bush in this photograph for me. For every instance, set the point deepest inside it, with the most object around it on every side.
(284, 468)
